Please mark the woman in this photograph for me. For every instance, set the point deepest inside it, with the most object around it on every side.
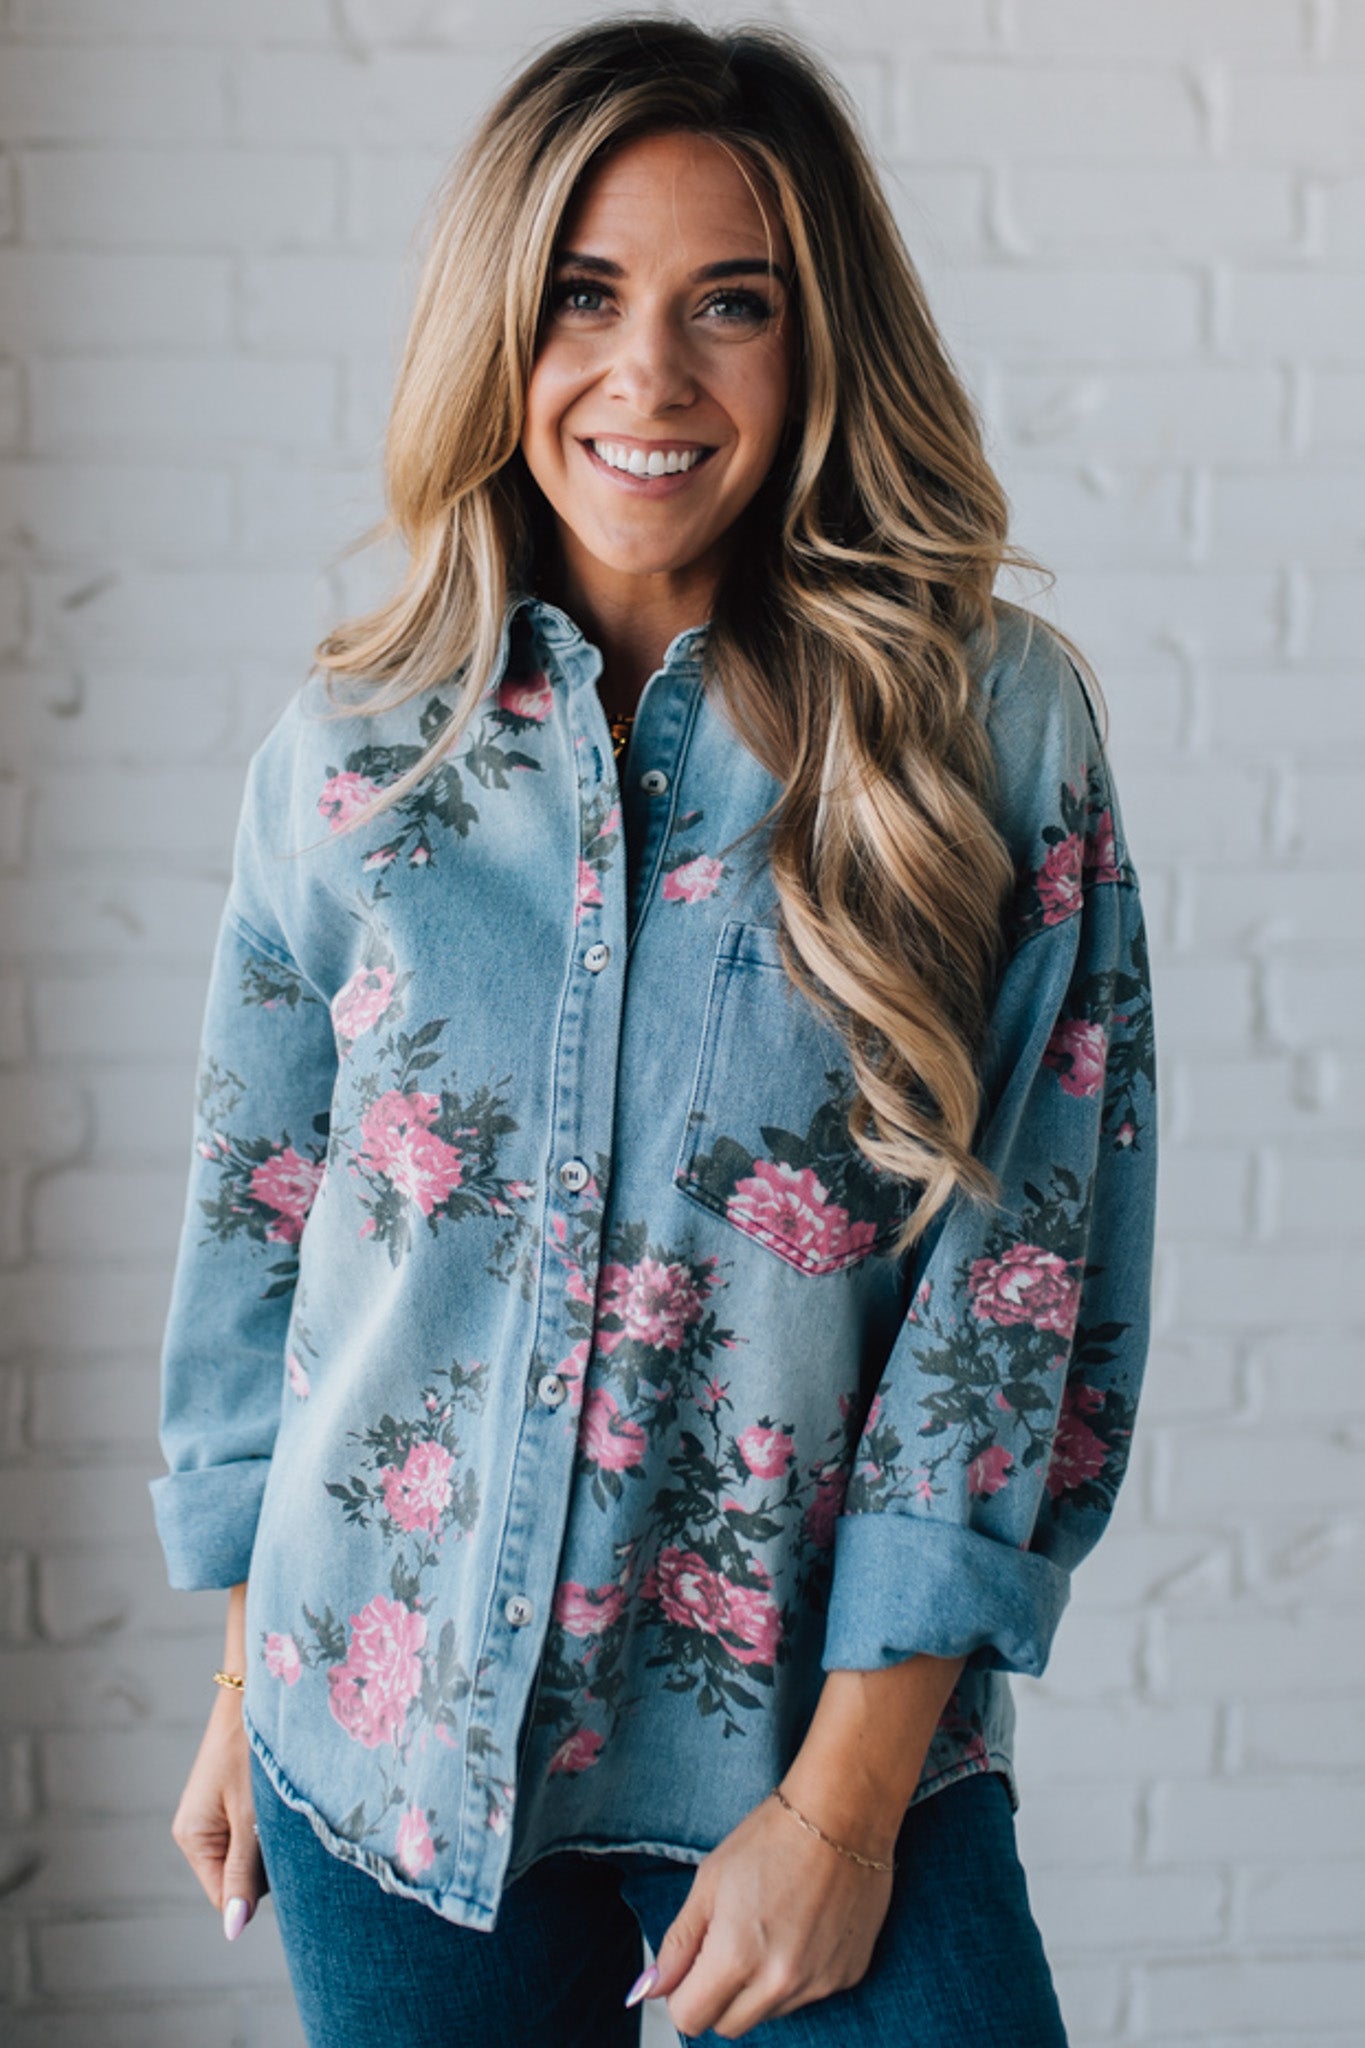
(664, 1285)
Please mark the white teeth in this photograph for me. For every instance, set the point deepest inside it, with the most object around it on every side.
(637, 463)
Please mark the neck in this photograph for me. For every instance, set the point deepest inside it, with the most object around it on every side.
(632, 619)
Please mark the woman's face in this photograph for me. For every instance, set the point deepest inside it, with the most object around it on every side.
(663, 373)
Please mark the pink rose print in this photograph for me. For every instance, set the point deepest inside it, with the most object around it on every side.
(359, 1005)
(766, 1452)
(751, 1614)
(526, 696)
(587, 1610)
(1059, 879)
(298, 1375)
(693, 880)
(344, 795)
(693, 1595)
(830, 1487)
(588, 892)
(606, 1437)
(571, 1371)
(1100, 856)
(282, 1659)
(1077, 1052)
(687, 1589)
(418, 1495)
(370, 1690)
(577, 1752)
(656, 1304)
(415, 1850)
(1077, 1453)
(288, 1185)
(789, 1203)
(989, 1470)
(399, 1144)
(1029, 1285)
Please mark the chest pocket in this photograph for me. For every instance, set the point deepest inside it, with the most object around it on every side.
(766, 1142)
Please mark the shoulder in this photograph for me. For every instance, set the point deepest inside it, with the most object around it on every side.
(1055, 802)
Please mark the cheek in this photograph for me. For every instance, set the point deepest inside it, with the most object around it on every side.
(549, 394)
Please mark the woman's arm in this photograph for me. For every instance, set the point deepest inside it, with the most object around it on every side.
(856, 1771)
(213, 1822)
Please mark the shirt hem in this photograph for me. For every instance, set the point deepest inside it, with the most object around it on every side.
(473, 1912)
(968, 1767)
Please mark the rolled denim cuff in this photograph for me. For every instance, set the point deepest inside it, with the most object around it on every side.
(206, 1520)
(904, 1585)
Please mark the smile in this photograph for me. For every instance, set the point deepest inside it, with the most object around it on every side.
(637, 461)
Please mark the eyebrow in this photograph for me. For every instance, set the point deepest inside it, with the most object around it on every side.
(733, 266)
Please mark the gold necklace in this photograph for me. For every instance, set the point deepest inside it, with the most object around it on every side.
(620, 733)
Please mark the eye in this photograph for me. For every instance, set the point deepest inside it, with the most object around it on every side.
(577, 295)
(738, 308)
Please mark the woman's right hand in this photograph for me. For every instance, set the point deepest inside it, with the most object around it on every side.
(214, 1825)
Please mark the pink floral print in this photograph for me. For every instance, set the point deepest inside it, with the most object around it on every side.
(692, 881)
(289, 1186)
(371, 1691)
(1059, 880)
(588, 1610)
(345, 794)
(282, 1659)
(781, 1201)
(648, 1303)
(414, 1849)
(605, 1437)
(1076, 1051)
(359, 1005)
(397, 1142)
(529, 697)
(417, 1494)
(1077, 1453)
(577, 1752)
(989, 1470)
(766, 1451)
(1027, 1285)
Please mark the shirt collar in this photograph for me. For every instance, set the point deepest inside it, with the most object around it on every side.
(565, 636)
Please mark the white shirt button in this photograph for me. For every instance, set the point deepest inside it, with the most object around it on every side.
(573, 1175)
(518, 1611)
(551, 1389)
(654, 782)
(596, 958)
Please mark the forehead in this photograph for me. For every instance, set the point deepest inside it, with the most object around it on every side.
(673, 198)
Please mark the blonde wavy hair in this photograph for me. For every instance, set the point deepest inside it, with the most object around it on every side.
(867, 560)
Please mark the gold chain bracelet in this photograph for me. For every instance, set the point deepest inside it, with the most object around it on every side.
(232, 1678)
(867, 1862)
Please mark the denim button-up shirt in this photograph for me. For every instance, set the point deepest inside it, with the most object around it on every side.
(536, 1349)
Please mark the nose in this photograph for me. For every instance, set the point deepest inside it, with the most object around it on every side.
(651, 371)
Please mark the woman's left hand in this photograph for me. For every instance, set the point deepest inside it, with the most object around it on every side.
(775, 1919)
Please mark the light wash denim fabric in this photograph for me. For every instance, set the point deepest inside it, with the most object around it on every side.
(535, 1345)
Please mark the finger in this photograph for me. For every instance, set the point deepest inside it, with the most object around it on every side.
(243, 1874)
(204, 1846)
(681, 1944)
(716, 1979)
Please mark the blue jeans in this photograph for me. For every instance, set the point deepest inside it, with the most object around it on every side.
(959, 1962)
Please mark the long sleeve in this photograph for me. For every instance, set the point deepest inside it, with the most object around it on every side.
(267, 1061)
(993, 1450)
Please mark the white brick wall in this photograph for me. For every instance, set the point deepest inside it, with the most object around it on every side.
(1141, 226)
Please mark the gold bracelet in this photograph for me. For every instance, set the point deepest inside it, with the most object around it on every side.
(232, 1678)
(867, 1862)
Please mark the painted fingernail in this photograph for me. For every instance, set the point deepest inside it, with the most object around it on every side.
(643, 1985)
(235, 1916)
